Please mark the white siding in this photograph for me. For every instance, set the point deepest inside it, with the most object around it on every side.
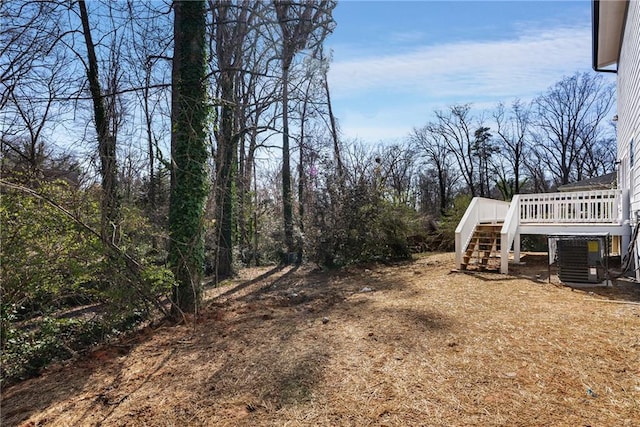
(629, 101)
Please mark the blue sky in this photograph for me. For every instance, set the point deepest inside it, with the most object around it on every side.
(395, 62)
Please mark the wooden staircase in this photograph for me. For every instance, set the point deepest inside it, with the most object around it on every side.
(483, 251)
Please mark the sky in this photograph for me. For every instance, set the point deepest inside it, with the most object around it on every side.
(396, 62)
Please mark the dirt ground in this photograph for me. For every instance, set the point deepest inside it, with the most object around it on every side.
(411, 344)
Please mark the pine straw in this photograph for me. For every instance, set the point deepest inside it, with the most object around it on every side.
(423, 347)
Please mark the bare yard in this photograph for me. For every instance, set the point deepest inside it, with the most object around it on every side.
(404, 345)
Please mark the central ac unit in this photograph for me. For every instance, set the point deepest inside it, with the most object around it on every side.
(580, 259)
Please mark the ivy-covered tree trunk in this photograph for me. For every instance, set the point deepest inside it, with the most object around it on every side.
(189, 172)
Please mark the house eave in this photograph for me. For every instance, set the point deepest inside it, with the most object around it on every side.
(608, 18)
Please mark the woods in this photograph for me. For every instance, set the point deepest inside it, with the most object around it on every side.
(147, 145)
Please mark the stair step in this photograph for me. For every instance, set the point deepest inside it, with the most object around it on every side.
(484, 248)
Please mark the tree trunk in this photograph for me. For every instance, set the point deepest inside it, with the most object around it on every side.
(189, 172)
(109, 203)
(297, 22)
(287, 202)
(301, 175)
(442, 187)
(334, 132)
(225, 187)
(152, 202)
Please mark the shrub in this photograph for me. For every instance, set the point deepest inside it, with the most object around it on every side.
(58, 267)
(450, 221)
(358, 225)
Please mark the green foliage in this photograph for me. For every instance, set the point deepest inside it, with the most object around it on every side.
(51, 261)
(53, 267)
(451, 220)
(140, 236)
(534, 243)
(506, 187)
(270, 232)
(25, 353)
(26, 350)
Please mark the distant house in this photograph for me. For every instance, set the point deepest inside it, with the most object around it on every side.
(603, 182)
(607, 205)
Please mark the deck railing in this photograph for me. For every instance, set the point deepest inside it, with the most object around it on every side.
(585, 207)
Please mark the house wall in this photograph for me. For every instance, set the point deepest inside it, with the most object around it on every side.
(629, 107)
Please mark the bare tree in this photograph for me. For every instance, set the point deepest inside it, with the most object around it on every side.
(537, 172)
(258, 95)
(599, 159)
(148, 44)
(512, 131)
(297, 22)
(37, 82)
(302, 184)
(324, 61)
(397, 172)
(568, 119)
(317, 128)
(30, 121)
(456, 128)
(30, 34)
(110, 204)
(229, 32)
(432, 147)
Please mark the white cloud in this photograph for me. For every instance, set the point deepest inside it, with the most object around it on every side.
(505, 68)
(385, 96)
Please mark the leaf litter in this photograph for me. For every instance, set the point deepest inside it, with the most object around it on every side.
(302, 346)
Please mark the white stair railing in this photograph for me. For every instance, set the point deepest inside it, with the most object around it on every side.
(480, 210)
(508, 233)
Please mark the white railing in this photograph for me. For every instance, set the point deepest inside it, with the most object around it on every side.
(508, 233)
(585, 207)
(480, 211)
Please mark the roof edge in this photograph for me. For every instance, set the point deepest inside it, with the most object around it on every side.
(608, 21)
